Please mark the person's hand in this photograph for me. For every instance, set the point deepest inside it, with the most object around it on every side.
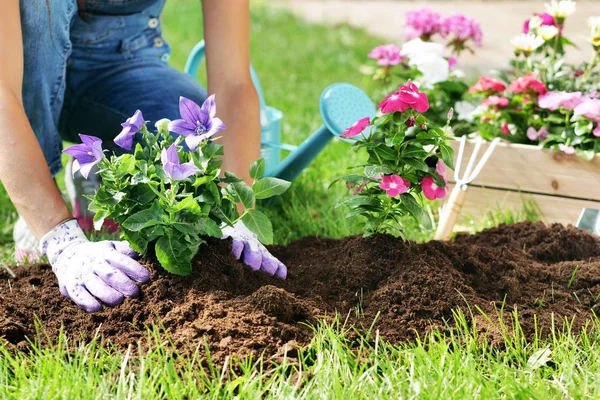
(90, 272)
(248, 249)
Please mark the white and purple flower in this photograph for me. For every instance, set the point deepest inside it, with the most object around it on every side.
(130, 128)
(196, 123)
(173, 167)
(87, 154)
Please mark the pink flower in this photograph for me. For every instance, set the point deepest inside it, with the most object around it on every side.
(526, 82)
(485, 85)
(407, 97)
(394, 185)
(357, 128)
(431, 190)
(505, 129)
(462, 27)
(546, 18)
(597, 130)
(422, 23)
(533, 134)
(452, 60)
(386, 55)
(566, 149)
(555, 100)
(590, 108)
(440, 168)
(496, 101)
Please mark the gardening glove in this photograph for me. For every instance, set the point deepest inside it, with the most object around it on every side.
(90, 272)
(248, 249)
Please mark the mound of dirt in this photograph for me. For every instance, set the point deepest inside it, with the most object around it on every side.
(408, 288)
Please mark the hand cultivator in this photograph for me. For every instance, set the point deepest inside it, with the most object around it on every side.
(457, 198)
(341, 105)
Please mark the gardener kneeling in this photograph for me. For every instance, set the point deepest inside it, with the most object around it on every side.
(75, 66)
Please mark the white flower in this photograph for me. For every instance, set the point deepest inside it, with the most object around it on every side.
(467, 111)
(428, 58)
(560, 9)
(527, 42)
(534, 23)
(548, 32)
(594, 24)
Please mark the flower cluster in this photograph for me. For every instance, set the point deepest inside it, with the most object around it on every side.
(457, 28)
(407, 159)
(430, 65)
(167, 197)
(545, 101)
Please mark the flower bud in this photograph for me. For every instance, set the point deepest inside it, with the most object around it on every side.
(450, 113)
(162, 125)
(410, 122)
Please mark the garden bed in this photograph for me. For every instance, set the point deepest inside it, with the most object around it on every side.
(561, 185)
(408, 288)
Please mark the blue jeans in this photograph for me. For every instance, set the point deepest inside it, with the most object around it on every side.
(88, 73)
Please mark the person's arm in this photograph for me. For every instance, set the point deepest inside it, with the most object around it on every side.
(23, 169)
(227, 37)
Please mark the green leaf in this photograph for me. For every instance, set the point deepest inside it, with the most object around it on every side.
(210, 228)
(358, 201)
(125, 165)
(144, 219)
(230, 178)
(188, 204)
(257, 169)
(582, 128)
(385, 152)
(137, 242)
(142, 193)
(241, 193)
(447, 154)
(416, 163)
(415, 210)
(259, 223)
(269, 187)
(395, 138)
(373, 170)
(212, 150)
(174, 256)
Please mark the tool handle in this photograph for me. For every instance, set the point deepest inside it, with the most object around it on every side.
(451, 212)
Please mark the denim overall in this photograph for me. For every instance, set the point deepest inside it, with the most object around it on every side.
(88, 72)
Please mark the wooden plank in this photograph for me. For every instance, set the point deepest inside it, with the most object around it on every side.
(554, 209)
(531, 169)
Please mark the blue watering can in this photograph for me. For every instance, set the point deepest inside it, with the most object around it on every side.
(341, 105)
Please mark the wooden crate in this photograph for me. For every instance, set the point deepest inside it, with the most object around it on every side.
(560, 184)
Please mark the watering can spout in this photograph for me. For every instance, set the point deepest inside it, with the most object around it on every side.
(341, 105)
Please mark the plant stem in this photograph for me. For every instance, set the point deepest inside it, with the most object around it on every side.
(555, 48)
(590, 66)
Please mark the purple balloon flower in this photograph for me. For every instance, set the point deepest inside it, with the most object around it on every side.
(197, 123)
(86, 154)
(173, 167)
(130, 128)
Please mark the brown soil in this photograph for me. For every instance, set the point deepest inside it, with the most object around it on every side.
(413, 288)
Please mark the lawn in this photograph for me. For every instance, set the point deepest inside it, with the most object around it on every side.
(296, 61)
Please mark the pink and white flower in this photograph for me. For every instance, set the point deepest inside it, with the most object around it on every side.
(394, 185)
(462, 27)
(589, 108)
(431, 190)
(422, 23)
(533, 134)
(528, 82)
(387, 55)
(496, 101)
(407, 97)
(566, 149)
(357, 128)
(555, 100)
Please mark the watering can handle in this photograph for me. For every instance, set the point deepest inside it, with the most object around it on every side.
(192, 66)
(451, 212)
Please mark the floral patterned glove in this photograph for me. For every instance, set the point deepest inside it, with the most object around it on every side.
(91, 271)
(247, 248)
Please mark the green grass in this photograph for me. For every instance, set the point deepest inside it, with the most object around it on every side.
(296, 61)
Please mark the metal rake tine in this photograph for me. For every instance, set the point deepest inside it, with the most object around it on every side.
(472, 160)
(461, 150)
(484, 160)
